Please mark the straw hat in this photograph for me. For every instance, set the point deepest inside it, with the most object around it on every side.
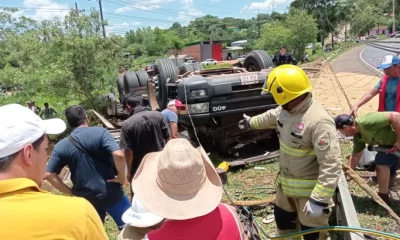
(177, 183)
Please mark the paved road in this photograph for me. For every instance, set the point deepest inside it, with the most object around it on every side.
(373, 56)
(363, 59)
(349, 62)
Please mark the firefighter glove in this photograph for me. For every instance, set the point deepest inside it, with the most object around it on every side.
(245, 123)
(312, 210)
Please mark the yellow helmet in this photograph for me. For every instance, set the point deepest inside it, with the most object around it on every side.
(286, 83)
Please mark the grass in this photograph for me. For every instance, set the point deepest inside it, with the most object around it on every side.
(218, 65)
(344, 46)
(370, 214)
(241, 181)
(244, 184)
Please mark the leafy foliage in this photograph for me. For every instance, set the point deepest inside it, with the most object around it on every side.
(294, 33)
(68, 59)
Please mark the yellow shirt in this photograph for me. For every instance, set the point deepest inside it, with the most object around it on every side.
(28, 213)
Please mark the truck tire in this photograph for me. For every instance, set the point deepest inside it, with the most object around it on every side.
(120, 87)
(166, 69)
(186, 68)
(257, 60)
(143, 77)
(198, 66)
(130, 81)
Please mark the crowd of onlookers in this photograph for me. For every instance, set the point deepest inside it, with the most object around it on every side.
(175, 189)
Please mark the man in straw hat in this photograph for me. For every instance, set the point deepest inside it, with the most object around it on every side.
(182, 186)
(140, 221)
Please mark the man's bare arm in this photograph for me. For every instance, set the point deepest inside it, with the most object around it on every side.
(364, 99)
(174, 129)
(354, 159)
(119, 161)
(56, 181)
(129, 160)
(394, 120)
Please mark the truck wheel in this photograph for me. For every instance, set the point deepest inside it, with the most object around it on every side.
(186, 68)
(257, 60)
(130, 81)
(143, 77)
(166, 70)
(120, 86)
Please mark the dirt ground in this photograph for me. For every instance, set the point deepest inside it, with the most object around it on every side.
(355, 84)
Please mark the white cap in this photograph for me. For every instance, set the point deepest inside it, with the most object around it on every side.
(139, 216)
(20, 126)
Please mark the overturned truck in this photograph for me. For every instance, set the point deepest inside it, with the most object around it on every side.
(216, 100)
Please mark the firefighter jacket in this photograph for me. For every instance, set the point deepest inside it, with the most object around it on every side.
(310, 159)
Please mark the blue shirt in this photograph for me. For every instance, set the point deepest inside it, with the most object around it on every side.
(170, 116)
(390, 97)
(89, 175)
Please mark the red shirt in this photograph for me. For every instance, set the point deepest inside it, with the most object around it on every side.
(220, 224)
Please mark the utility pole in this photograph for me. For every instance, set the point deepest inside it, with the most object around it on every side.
(77, 9)
(394, 19)
(259, 25)
(102, 18)
(273, 4)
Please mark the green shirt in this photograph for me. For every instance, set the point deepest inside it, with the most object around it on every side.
(375, 129)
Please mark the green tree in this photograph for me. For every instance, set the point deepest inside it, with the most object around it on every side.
(295, 33)
(273, 36)
(303, 28)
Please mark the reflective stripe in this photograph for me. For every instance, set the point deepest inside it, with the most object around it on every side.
(324, 191)
(300, 183)
(255, 122)
(296, 192)
(295, 151)
(297, 187)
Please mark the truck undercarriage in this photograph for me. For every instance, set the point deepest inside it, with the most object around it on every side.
(216, 100)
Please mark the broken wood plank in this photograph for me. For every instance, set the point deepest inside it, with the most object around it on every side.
(104, 120)
(251, 203)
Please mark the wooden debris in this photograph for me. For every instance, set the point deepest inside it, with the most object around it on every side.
(251, 203)
(350, 172)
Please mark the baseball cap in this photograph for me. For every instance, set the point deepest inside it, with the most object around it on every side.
(177, 104)
(138, 216)
(20, 126)
(388, 61)
(343, 120)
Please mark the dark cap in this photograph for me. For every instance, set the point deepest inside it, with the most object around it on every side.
(343, 120)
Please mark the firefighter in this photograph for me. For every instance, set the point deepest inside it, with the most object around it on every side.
(283, 58)
(310, 159)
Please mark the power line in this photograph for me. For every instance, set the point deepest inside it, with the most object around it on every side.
(112, 15)
(41, 9)
(149, 10)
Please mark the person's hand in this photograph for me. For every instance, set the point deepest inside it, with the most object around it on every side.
(312, 210)
(354, 111)
(245, 123)
(395, 148)
(118, 179)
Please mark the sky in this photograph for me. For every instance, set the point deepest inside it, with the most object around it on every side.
(123, 15)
